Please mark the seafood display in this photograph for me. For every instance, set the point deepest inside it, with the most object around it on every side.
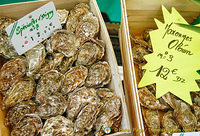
(168, 114)
(59, 87)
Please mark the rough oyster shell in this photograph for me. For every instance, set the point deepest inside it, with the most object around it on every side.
(148, 100)
(151, 118)
(89, 53)
(185, 117)
(76, 15)
(49, 83)
(62, 15)
(35, 58)
(99, 75)
(196, 97)
(64, 42)
(16, 113)
(78, 99)
(74, 78)
(20, 91)
(29, 125)
(4, 22)
(88, 27)
(52, 106)
(197, 114)
(110, 115)
(86, 118)
(58, 126)
(11, 71)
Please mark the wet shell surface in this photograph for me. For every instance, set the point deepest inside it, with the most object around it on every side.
(20, 91)
(89, 53)
(62, 15)
(99, 75)
(64, 42)
(74, 78)
(53, 105)
(29, 125)
(16, 113)
(11, 71)
(58, 126)
(49, 83)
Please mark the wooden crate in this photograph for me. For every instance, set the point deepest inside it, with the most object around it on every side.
(18, 10)
(138, 15)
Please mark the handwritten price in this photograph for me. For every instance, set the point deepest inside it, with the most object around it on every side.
(164, 72)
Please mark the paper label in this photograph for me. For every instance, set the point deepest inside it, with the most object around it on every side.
(187, 134)
(33, 28)
(174, 62)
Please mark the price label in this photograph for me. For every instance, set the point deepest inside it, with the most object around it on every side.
(187, 134)
(174, 62)
(33, 28)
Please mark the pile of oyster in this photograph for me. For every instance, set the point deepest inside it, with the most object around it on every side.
(169, 114)
(58, 87)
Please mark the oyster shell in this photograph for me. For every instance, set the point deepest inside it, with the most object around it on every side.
(66, 64)
(110, 115)
(35, 58)
(4, 22)
(20, 91)
(16, 113)
(185, 117)
(138, 55)
(148, 100)
(11, 71)
(99, 75)
(170, 124)
(29, 125)
(64, 42)
(197, 114)
(74, 78)
(151, 118)
(89, 53)
(52, 106)
(48, 84)
(196, 97)
(62, 15)
(170, 99)
(58, 126)
(86, 119)
(88, 27)
(78, 99)
(105, 93)
(76, 15)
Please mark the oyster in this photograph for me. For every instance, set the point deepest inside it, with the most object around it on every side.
(51, 62)
(105, 93)
(78, 99)
(35, 58)
(197, 114)
(110, 115)
(58, 126)
(48, 84)
(53, 105)
(29, 125)
(62, 15)
(88, 27)
(99, 75)
(151, 118)
(16, 113)
(74, 78)
(66, 64)
(196, 97)
(4, 22)
(169, 123)
(185, 117)
(89, 53)
(64, 42)
(86, 119)
(20, 91)
(170, 99)
(148, 100)
(138, 55)
(76, 15)
(11, 71)
(146, 35)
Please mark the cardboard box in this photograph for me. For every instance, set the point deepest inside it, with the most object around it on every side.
(18, 10)
(138, 15)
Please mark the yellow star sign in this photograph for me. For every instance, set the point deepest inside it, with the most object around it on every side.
(175, 58)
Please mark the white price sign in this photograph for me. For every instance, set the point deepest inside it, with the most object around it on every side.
(187, 134)
(33, 28)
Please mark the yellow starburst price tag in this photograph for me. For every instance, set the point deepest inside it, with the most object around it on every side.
(174, 62)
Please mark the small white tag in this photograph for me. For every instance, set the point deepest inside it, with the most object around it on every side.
(33, 28)
(187, 134)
